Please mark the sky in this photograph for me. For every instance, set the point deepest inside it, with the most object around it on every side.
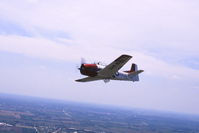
(42, 42)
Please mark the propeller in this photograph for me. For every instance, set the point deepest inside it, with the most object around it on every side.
(83, 61)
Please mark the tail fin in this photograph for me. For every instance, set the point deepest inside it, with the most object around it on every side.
(133, 68)
(133, 73)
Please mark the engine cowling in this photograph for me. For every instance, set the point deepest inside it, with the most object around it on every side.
(89, 69)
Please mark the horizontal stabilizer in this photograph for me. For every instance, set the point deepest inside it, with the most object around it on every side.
(134, 75)
(136, 72)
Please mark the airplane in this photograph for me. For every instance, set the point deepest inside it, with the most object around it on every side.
(97, 71)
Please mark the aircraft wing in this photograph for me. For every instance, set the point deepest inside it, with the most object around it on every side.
(87, 79)
(112, 68)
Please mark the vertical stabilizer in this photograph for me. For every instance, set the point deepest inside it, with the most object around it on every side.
(133, 68)
(133, 74)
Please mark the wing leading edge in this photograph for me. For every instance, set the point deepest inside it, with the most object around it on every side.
(113, 67)
(87, 79)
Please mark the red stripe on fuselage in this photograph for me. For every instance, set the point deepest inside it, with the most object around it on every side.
(90, 65)
(89, 70)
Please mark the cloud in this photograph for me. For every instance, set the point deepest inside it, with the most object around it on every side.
(167, 29)
(37, 47)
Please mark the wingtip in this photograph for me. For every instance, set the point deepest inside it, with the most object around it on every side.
(127, 55)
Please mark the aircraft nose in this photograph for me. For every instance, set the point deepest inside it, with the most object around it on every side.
(82, 67)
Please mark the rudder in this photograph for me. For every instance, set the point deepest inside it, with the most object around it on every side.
(133, 68)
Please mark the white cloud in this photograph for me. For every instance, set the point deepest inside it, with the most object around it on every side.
(165, 29)
(123, 24)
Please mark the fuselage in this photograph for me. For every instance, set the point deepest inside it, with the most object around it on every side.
(93, 69)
